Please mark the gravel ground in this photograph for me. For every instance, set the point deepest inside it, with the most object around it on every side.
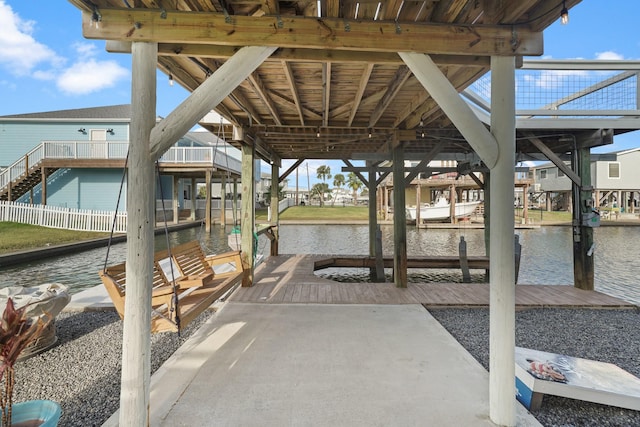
(606, 335)
(82, 372)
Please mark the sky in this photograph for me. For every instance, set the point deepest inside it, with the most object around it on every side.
(46, 64)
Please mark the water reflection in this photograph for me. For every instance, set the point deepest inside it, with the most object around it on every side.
(80, 270)
(547, 253)
(547, 256)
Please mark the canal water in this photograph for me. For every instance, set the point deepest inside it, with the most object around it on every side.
(546, 255)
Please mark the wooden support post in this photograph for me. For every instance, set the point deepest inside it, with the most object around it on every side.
(386, 203)
(275, 197)
(207, 204)
(373, 222)
(525, 201)
(583, 250)
(502, 402)
(399, 219)
(223, 201)
(548, 204)
(44, 187)
(136, 340)
(176, 204)
(464, 261)
(194, 199)
(452, 204)
(418, 203)
(234, 210)
(248, 212)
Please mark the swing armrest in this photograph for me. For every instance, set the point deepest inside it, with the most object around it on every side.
(161, 291)
(193, 281)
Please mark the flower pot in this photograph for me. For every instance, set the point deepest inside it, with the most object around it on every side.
(35, 413)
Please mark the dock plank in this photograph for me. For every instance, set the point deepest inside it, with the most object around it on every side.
(290, 279)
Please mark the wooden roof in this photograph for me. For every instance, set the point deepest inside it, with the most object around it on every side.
(335, 88)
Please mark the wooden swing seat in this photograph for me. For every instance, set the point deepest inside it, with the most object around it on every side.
(200, 281)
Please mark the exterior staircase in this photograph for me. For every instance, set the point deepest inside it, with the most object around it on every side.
(23, 175)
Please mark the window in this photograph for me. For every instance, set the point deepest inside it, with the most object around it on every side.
(614, 170)
(560, 173)
(543, 174)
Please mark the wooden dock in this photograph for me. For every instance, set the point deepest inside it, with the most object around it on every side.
(290, 279)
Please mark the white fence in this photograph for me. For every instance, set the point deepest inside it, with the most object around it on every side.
(59, 217)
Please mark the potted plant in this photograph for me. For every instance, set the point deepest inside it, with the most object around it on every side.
(17, 331)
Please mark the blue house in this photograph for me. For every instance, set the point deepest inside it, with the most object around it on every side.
(76, 158)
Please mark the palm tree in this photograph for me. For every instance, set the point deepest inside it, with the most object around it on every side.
(319, 190)
(354, 184)
(323, 172)
(338, 181)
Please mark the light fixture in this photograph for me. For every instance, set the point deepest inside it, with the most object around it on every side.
(110, 131)
(318, 133)
(422, 134)
(82, 130)
(370, 131)
(170, 79)
(564, 14)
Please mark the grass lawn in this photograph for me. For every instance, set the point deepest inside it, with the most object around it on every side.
(16, 237)
(342, 213)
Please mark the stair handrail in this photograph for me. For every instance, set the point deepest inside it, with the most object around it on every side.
(21, 166)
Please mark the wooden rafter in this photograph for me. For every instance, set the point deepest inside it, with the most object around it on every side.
(262, 92)
(326, 92)
(399, 79)
(286, 67)
(360, 92)
(316, 33)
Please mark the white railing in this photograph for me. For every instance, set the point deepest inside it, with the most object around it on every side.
(60, 217)
(112, 150)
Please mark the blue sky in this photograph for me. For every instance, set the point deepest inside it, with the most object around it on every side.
(46, 64)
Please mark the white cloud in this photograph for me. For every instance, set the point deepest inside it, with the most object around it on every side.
(90, 76)
(85, 49)
(20, 53)
(609, 55)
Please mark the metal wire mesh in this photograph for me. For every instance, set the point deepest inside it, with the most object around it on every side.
(569, 90)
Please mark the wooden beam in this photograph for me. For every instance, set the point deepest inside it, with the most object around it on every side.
(286, 66)
(452, 104)
(209, 94)
(326, 92)
(537, 142)
(364, 80)
(262, 92)
(402, 74)
(290, 170)
(423, 163)
(307, 32)
(358, 173)
(299, 54)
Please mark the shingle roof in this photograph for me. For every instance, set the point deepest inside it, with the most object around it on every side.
(107, 112)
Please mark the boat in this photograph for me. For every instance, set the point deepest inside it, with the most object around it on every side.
(441, 210)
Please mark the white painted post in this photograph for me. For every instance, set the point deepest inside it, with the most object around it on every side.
(136, 341)
(502, 277)
(223, 201)
(176, 203)
(207, 204)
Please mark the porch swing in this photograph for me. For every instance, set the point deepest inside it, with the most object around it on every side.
(185, 282)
